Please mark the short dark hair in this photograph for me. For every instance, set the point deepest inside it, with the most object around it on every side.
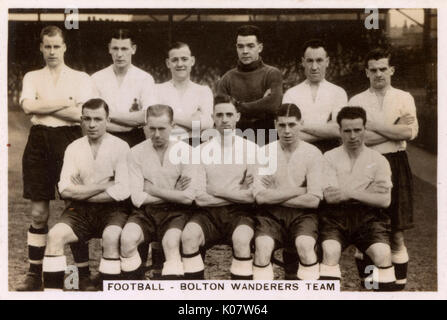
(249, 30)
(157, 110)
(288, 110)
(377, 54)
(223, 98)
(122, 34)
(314, 44)
(51, 31)
(177, 45)
(351, 113)
(96, 103)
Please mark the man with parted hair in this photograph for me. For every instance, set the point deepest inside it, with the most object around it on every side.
(224, 195)
(162, 192)
(288, 198)
(256, 86)
(127, 89)
(392, 121)
(358, 189)
(190, 101)
(319, 101)
(53, 96)
(95, 179)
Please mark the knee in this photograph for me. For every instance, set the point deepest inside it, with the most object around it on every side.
(191, 237)
(57, 238)
(241, 238)
(264, 248)
(129, 241)
(171, 241)
(111, 238)
(305, 246)
(380, 254)
(39, 214)
(331, 252)
(397, 240)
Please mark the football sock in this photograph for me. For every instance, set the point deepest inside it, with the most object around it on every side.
(193, 266)
(241, 268)
(172, 270)
(80, 256)
(308, 271)
(131, 267)
(53, 272)
(400, 261)
(330, 272)
(263, 272)
(37, 240)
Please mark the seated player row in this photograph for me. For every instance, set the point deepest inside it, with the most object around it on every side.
(100, 172)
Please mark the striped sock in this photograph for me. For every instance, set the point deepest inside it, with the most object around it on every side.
(241, 268)
(263, 272)
(131, 267)
(387, 279)
(308, 271)
(291, 261)
(330, 272)
(362, 261)
(37, 240)
(400, 261)
(110, 268)
(53, 272)
(81, 257)
(193, 266)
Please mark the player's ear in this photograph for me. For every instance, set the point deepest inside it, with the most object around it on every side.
(238, 116)
(167, 63)
(134, 48)
(64, 47)
(303, 61)
(193, 61)
(392, 70)
(41, 47)
(261, 47)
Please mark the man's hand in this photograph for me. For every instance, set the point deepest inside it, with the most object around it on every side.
(335, 195)
(406, 119)
(182, 183)
(76, 180)
(148, 185)
(269, 182)
(378, 187)
(246, 181)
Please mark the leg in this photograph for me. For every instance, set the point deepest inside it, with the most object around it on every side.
(54, 262)
(242, 264)
(131, 264)
(192, 239)
(380, 254)
(37, 238)
(173, 267)
(262, 268)
(329, 267)
(399, 255)
(308, 267)
(362, 261)
(110, 265)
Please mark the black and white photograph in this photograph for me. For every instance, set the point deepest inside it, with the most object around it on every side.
(291, 147)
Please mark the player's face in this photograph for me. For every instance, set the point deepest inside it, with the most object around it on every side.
(288, 129)
(248, 49)
(180, 63)
(122, 51)
(225, 117)
(94, 122)
(159, 129)
(53, 49)
(379, 73)
(352, 133)
(315, 63)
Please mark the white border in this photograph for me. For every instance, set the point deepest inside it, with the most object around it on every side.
(442, 133)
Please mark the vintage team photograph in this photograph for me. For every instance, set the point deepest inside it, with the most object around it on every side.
(222, 144)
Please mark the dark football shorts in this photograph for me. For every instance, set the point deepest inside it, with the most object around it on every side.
(401, 208)
(284, 224)
(43, 158)
(354, 223)
(88, 220)
(155, 220)
(219, 223)
(132, 137)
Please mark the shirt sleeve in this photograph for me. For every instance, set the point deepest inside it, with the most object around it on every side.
(410, 107)
(120, 191)
(29, 90)
(189, 170)
(69, 169)
(148, 96)
(383, 173)
(315, 182)
(206, 108)
(136, 181)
